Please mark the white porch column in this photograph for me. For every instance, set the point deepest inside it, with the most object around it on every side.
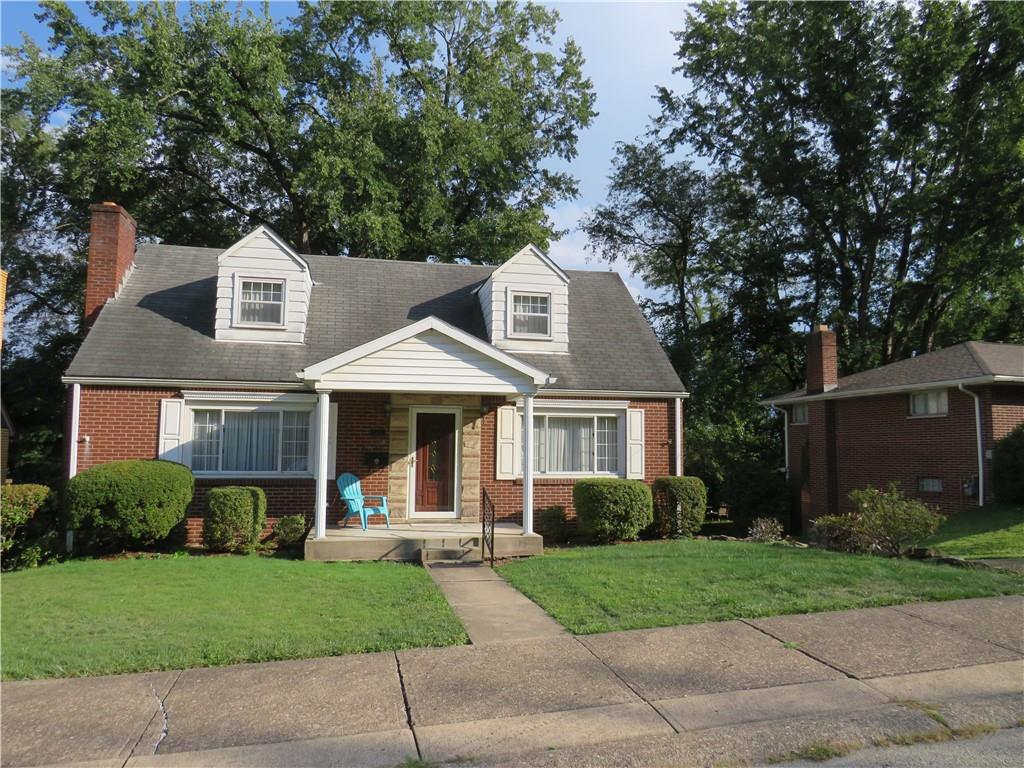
(323, 430)
(679, 437)
(527, 464)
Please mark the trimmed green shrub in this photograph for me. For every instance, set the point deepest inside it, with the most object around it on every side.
(230, 524)
(679, 504)
(290, 531)
(610, 508)
(552, 525)
(18, 506)
(259, 512)
(892, 522)
(133, 503)
(1008, 467)
(765, 530)
(840, 533)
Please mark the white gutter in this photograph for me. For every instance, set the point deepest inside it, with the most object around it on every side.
(638, 394)
(178, 383)
(838, 395)
(981, 443)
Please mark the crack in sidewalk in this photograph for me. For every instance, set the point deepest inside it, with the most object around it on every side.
(165, 719)
(796, 647)
(408, 708)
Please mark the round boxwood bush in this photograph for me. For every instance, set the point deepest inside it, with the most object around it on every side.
(18, 506)
(1008, 467)
(234, 518)
(290, 531)
(611, 509)
(552, 525)
(133, 503)
(679, 504)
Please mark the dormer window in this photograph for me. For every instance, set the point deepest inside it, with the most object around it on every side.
(531, 315)
(261, 302)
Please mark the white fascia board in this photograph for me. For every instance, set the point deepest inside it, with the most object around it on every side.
(107, 381)
(640, 394)
(531, 248)
(277, 240)
(891, 390)
(315, 372)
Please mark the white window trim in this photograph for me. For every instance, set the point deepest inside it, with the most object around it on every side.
(236, 309)
(793, 420)
(510, 294)
(926, 392)
(229, 405)
(542, 412)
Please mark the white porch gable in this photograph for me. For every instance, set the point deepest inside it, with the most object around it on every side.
(429, 355)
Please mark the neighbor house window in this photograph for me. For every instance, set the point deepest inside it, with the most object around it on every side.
(531, 314)
(929, 484)
(576, 445)
(263, 441)
(933, 402)
(261, 302)
(799, 415)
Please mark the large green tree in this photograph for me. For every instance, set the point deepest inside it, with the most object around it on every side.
(858, 164)
(391, 130)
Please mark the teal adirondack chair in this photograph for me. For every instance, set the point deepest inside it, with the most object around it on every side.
(355, 502)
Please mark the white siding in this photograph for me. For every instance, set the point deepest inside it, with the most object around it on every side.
(527, 272)
(429, 362)
(259, 258)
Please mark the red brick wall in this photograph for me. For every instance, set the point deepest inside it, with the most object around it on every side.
(363, 424)
(120, 422)
(876, 442)
(507, 495)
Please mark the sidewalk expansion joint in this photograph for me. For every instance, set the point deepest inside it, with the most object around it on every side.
(408, 709)
(806, 653)
(899, 608)
(628, 684)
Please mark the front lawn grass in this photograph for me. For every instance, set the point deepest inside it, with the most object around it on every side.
(95, 617)
(661, 583)
(987, 532)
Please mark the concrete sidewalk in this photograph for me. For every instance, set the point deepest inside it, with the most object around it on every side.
(738, 691)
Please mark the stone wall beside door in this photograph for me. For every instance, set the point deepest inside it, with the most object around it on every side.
(399, 456)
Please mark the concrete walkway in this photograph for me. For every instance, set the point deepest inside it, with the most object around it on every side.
(731, 692)
(491, 610)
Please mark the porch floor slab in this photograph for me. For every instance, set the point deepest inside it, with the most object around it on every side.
(403, 541)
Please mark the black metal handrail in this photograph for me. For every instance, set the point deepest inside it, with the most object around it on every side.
(487, 523)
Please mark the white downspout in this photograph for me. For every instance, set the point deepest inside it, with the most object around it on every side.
(76, 409)
(323, 409)
(981, 443)
(679, 437)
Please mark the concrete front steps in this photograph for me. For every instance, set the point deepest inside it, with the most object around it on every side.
(421, 542)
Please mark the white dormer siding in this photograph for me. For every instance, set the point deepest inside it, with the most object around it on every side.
(275, 274)
(541, 285)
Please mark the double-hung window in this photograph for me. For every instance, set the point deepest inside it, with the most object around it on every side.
(250, 441)
(799, 414)
(261, 302)
(531, 314)
(576, 445)
(932, 402)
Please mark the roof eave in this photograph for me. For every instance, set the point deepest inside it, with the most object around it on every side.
(839, 394)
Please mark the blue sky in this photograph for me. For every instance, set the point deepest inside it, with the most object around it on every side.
(629, 50)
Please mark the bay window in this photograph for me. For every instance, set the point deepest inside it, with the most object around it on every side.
(576, 445)
(232, 441)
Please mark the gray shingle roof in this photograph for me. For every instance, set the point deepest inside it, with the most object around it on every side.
(969, 360)
(161, 324)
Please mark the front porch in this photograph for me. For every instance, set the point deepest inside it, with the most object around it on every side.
(420, 541)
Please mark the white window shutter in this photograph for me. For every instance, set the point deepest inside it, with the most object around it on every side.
(506, 456)
(172, 426)
(635, 443)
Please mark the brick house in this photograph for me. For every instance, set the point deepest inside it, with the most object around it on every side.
(928, 423)
(258, 365)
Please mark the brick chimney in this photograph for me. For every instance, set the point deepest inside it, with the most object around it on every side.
(822, 364)
(111, 253)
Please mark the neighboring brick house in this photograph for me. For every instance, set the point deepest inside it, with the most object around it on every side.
(928, 423)
(419, 375)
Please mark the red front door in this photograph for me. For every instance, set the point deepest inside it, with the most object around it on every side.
(435, 462)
